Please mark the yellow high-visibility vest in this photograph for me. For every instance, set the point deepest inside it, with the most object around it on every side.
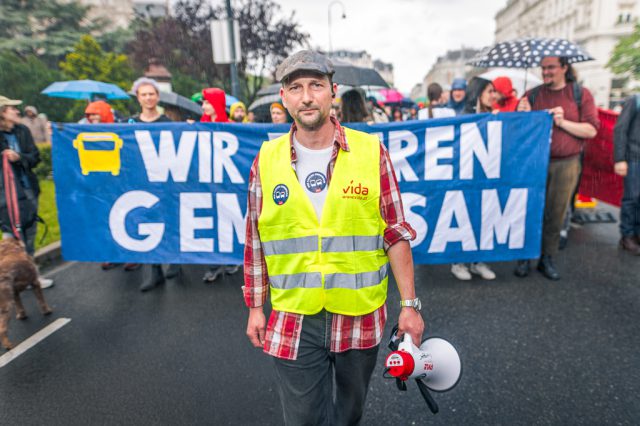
(339, 263)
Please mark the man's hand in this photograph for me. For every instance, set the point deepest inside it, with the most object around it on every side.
(524, 105)
(256, 326)
(620, 168)
(411, 322)
(558, 115)
(12, 155)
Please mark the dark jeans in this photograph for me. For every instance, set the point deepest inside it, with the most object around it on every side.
(630, 208)
(306, 385)
(562, 178)
(28, 234)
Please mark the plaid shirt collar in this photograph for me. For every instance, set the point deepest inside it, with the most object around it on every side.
(339, 139)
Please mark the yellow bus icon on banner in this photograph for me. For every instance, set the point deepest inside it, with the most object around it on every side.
(98, 152)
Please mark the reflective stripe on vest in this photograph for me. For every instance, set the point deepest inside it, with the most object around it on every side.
(305, 280)
(290, 246)
(329, 244)
(356, 281)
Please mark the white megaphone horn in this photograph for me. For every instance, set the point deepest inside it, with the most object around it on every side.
(435, 365)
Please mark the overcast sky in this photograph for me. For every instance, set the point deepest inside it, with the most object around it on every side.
(410, 34)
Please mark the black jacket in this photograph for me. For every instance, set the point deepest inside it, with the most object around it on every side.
(626, 133)
(29, 156)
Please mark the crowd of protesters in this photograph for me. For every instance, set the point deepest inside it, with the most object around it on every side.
(575, 120)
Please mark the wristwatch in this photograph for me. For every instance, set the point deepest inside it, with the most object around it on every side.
(412, 303)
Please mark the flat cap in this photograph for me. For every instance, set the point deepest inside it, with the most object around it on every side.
(305, 60)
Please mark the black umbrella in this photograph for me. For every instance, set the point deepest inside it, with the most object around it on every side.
(348, 75)
(180, 102)
(528, 52)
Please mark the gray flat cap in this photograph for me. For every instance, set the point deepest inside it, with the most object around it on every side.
(305, 60)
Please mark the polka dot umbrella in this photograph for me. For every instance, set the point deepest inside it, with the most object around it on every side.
(528, 52)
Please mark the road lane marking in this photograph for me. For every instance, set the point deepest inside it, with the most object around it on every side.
(33, 340)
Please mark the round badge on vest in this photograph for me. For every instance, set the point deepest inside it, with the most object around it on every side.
(280, 194)
(315, 182)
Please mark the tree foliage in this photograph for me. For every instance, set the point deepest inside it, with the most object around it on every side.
(266, 39)
(13, 84)
(625, 58)
(89, 61)
(183, 42)
(44, 28)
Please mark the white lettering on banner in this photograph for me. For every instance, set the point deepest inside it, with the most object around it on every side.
(189, 222)
(159, 163)
(118, 215)
(508, 223)
(230, 221)
(409, 200)
(471, 144)
(222, 157)
(453, 205)
(204, 157)
(433, 152)
(399, 154)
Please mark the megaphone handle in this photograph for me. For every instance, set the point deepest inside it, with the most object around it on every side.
(433, 406)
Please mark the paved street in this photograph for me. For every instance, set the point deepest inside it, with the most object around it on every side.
(534, 351)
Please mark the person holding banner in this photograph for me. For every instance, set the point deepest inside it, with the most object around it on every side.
(213, 106)
(626, 156)
(147, 91)
(278, 114)
(480, 97)
(575, 119)
(326, 272)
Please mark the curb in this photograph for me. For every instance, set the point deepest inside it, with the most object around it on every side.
(48, 254)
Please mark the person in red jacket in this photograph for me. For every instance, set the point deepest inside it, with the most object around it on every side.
(507, 100)
(213, 106)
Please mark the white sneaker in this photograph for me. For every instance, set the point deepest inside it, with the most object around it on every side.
(45, 282)
(460, 271)
(483, 270)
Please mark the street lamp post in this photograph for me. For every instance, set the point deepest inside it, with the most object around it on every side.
(344, 15)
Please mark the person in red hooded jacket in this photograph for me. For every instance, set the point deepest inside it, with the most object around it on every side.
(507, 100)
(99, 112)
(213, 107)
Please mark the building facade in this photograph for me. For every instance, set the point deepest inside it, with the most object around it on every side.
(447, 67)
(596, 25)
(364, 60)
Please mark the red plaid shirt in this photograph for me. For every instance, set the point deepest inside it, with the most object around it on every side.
(284, 328)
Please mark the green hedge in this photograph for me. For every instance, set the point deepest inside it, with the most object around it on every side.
(44, 168)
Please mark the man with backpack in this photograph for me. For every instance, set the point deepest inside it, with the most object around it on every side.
(626, 157)
(575, 119)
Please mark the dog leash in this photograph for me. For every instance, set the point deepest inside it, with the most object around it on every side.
(11, 196)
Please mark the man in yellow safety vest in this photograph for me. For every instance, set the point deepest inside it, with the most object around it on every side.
(324, 224)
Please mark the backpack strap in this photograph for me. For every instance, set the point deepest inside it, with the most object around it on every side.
(533, 93)
(577, 97)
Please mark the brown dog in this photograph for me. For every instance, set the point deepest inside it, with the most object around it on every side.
(17, 272)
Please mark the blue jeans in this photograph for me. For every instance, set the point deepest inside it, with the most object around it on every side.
(306, 385)
(630, 208)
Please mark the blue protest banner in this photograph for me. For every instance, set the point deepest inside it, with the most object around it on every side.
(472, 186)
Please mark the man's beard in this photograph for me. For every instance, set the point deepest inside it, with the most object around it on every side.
(315, 124)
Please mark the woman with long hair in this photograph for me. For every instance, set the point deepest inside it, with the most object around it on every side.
(481, 95)
(354, 110)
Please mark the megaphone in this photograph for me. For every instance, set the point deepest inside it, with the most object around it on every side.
(435, 365)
